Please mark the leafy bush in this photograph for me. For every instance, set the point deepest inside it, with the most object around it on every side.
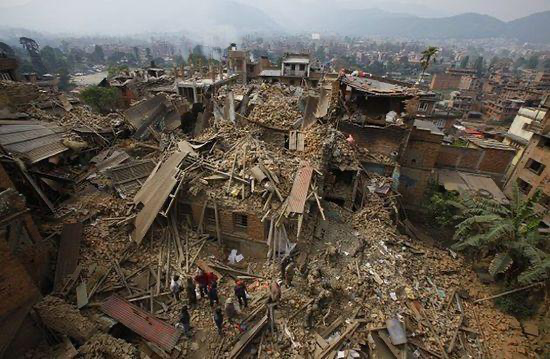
(440, 206)
(508, 232)
(102, 99)
(516, 305)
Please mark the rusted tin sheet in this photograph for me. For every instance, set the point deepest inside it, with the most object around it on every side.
(139, 321)
(300, 187)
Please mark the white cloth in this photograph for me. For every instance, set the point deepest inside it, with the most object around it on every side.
(175, 285)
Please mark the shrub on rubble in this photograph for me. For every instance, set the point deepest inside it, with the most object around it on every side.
(102, 99)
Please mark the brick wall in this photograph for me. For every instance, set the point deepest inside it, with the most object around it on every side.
(232, 235)
(375, 139)
(413, 183)
(487, 161)
(445, 81)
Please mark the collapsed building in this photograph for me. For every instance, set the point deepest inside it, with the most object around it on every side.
(232, 178)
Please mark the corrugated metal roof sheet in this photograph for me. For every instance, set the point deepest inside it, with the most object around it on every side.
(31, 140)
(128, 178)
(141, 322)
(463, 182)
(300, 187)
(69, 250)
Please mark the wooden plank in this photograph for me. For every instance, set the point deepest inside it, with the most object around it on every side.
(247, 338)
(292, 140)
(71, 281)
(332, 327)
(81, 295)
(300, 141)
(320, 340)
(201, 219)
(337, 342)
(396, 352)
(217, 218)
(68, 253)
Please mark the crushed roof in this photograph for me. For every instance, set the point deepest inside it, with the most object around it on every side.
(490, 144)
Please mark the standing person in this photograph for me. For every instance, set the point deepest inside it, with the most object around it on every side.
(289, 274)
(240, 293)
(175, 287)
(190, 290)
(218, 319)
(202, 281)
(213, 294)
(230, 310)
(211, 278)
(275, 291)
(284, 263)
(185, 321)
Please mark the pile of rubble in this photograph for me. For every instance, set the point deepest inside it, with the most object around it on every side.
(360, 285)
(275, 106)
(104, 345)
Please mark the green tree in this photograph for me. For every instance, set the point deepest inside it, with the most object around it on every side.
(64, 80)
(179, 60)
(53, 59)
(115, 70)
(102, 99)
(478, 65)
(464, 62)
(98, 56)
(520, 62)
(495, 60)
(428, 56)
(533, 62)
(509, 233)
(136, 54)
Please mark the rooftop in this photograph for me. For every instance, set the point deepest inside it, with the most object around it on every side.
(516, 138)
(375, 87)
(427, 125)
(490, 144)
(205, 82)
(464, 182)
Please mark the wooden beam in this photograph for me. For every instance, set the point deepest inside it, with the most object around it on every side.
(218, 229)
(247, 338)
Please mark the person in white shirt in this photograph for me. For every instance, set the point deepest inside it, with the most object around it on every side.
(175, 287)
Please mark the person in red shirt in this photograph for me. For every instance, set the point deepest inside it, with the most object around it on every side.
(202, 281)
(211, 278)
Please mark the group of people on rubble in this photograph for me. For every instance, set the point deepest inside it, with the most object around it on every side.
(207, 284)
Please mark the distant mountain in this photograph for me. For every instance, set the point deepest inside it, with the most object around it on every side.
(533, 28)
(214, 20)
(223, 21)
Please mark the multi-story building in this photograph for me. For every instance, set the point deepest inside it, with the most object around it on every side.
(460, 102)
(454, 79)
(501, 109)
(520, 132)
(542, 81)
(8, 67)
(532, 173)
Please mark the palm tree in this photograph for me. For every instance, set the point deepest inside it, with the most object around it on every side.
(510, 233)
(428, 56)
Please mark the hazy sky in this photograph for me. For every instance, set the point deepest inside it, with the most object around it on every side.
(502, 9)
(224, 20)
